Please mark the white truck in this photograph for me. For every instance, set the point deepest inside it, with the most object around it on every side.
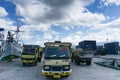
(57, 59)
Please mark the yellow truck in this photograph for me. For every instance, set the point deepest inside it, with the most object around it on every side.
(31, 54)
(57, 59)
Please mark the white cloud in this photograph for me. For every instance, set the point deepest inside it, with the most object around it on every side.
(4, 21)
(33, 28)
(48, 36)
(73, 38)
(7, 24)
(31, 10)
(26, 36)
(113, 24)
(100, 33)
(39, 15)
(31, 36)
(3, 12)
(109, 2)
(109, 30)
(112, 34)
(78, 15)
(51, 35)
(107, 33)
(37, 12)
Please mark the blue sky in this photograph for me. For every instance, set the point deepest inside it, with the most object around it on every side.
(65, 20)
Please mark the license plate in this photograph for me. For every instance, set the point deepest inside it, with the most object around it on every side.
(28, 61)
(56, 75)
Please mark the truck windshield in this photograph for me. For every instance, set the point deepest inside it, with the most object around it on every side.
(56, 53)
(30, 47)
(28, 51)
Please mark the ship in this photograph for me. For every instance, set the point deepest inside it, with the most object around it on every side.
(11, 48)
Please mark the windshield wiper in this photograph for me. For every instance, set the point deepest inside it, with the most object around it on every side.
(62, 56)
(52, 55)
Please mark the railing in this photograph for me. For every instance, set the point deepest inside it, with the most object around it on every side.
(110, 61)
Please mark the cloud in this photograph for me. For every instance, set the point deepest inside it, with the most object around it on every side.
(3, 12)
(57, 8)
(101, 32)
(51, 35)
(39, 27)
(31, 10)
(4, 21)
(113, 24)
(40, 15)
(107, 33)
(60, 12)
(48, 36)
(112, 34)
(109, 2)
(74, 38)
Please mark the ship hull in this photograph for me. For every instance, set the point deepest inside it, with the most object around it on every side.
(11, 50)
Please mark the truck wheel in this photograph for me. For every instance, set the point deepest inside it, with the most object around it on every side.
(35, 63)
(39, 59)
(88, 62)
(23, 64)
(72, 60)
(77, 62)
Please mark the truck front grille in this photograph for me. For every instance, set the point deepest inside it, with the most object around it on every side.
(56, 68)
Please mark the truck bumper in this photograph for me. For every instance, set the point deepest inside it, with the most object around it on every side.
(57, 74)
(28, 61)
(85, 59)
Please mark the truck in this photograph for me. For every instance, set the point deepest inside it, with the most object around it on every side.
(57, 59)
(82, 56)
(31, 54)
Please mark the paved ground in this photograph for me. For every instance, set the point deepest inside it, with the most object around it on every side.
(15, 71)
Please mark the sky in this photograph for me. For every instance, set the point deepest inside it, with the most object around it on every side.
(65, 20)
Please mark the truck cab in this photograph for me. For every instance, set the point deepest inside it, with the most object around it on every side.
(57, 59)
(31, 54)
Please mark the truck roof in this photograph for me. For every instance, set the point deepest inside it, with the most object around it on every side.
(31, 46)
(48, 44)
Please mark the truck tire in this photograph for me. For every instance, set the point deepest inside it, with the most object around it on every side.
(72, 60)
(35, 63)
(88, 62)
(23, 64)
(77, 62)
(39, 59)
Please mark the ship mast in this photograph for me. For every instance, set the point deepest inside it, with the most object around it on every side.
(17, 36)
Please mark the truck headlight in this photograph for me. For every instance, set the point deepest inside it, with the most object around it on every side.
(66, 67)
(46, 67)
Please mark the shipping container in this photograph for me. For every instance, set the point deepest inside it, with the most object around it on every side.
(112, 48)
(88, 45)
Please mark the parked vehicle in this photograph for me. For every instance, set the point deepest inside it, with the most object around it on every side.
(56, 61)
(81, 56)
(31, 54)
